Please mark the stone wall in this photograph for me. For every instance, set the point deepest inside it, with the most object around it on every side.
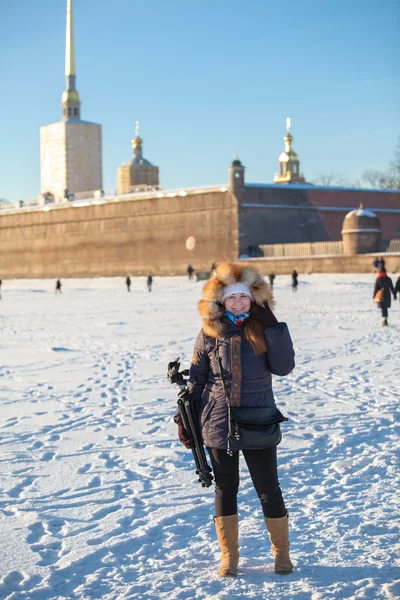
(119, 238)
(360, 263)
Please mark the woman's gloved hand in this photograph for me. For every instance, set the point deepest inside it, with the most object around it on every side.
(184, 437)
(263, 314)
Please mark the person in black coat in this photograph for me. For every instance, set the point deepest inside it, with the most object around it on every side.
(295, 281)
(128, 283)
(384, 286)
(271, 278)
(241, 340)
(58, 286)
(397, 287)
(190, 271)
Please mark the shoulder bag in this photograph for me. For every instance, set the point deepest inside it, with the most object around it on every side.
(249, 428)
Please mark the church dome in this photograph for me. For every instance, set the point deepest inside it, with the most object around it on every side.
(70, 97)
(287, 156)
(139, 161)
(137, 141)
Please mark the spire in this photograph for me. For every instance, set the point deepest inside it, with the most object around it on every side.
(69, 45)
(289, 164)
(137, 142)
(288, 137)
(70, 98)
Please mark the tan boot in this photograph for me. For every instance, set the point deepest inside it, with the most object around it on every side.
(278, 530)
(228, 533)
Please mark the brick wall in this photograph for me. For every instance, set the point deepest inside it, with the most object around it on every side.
(117, 238)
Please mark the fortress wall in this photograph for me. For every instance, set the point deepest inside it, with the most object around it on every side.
(359, 263)
(285, 214)
(119, 238)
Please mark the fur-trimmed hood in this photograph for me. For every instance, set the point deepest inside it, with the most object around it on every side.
(211, 307)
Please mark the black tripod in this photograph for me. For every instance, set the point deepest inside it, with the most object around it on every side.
(188, 412)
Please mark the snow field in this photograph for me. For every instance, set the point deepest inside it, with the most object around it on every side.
(99, 500)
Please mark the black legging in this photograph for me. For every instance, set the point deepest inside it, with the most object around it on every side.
(262, 465)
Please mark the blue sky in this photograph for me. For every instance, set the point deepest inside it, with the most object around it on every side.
(207, 80)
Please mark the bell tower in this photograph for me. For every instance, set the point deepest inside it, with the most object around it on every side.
(70, 149)
(236, 175)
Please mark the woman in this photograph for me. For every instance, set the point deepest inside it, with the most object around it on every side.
(383, 282)
(241, 340)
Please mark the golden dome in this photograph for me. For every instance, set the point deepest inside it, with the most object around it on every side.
(70, 97)
(137, 141)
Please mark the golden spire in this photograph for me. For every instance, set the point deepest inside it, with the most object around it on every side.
(288, 138)
(289, 164)
(70, 98)
(137, 140)
(69, 46)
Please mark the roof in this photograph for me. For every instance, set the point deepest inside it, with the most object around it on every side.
(138, 161)
(361, 212)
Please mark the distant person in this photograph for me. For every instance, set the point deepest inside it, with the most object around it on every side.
(58, 286)
(149, 282)
(295, 281)
(0, 288)
(382, 294)
(271, 278)
(190, 271)
(375, 264)
(381, 263)
(128, 283)
(396, 288)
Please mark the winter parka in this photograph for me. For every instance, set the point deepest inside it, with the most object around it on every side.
(384, 282)
(220, 337)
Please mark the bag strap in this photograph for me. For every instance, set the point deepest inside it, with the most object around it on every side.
(219, 362)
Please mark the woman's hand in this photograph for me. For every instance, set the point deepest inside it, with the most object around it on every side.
(184, 437)
(263, 314)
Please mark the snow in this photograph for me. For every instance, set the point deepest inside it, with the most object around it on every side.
(99, 500)
(361, 212)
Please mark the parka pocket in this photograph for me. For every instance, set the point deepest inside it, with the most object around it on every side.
(207, 410)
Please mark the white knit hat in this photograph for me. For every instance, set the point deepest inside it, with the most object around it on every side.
(236, 288)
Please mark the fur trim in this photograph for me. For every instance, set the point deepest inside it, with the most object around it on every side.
(211, 307)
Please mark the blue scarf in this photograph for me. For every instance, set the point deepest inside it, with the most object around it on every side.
(237, 319)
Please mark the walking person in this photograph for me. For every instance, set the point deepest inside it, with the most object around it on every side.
(295, 281)
(190, 271)
(376, 264)
(58, 286)
(0, 288)
(381, 264)
(240, 345)
(149, 282)
(271, 278)
(382, 294)
(128, 283)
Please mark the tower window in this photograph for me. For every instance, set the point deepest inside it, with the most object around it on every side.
(69, 111)
(237, 175)
(75, 111)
